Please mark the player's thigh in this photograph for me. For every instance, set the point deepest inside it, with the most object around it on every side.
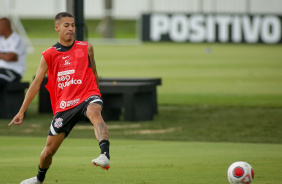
(54, 142)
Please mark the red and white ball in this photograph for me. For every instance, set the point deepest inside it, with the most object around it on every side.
(240, 173)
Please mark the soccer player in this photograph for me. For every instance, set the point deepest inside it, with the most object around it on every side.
(74, 91)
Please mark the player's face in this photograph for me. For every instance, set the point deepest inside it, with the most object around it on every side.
(66, 28)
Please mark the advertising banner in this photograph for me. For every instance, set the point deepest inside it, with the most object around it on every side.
(223, 28)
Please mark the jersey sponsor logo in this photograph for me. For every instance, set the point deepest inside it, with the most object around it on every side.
(63, 78)
(70, 103)
(67, 72)
(66, 79)
(58, 122)
(81, 43)
(69, 82)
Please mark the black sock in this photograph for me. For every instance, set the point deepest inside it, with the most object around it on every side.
(105, 147)
(41, 174)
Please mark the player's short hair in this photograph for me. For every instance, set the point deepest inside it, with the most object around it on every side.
(59, 16)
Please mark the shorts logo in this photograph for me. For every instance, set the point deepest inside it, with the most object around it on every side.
(70, 103)
(58, 122)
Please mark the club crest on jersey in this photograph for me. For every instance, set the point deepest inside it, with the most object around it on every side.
(58, 122)
(79, 53)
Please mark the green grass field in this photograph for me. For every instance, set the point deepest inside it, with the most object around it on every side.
(139, 162)
(218, 103)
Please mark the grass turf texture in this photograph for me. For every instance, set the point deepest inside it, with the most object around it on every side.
(175, 122)
(140, 162)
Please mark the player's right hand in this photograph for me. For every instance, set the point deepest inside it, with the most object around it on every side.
(17, 120)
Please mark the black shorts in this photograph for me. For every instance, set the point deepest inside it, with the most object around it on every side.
(66, 120)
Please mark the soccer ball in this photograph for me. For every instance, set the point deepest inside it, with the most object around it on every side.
(240, 173)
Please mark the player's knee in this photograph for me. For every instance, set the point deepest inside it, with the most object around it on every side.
(48, 152)
(93, 112)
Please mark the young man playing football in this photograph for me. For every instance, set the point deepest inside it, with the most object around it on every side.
(74, 91)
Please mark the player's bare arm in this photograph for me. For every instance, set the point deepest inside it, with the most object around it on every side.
(32, 91)
(93, 64)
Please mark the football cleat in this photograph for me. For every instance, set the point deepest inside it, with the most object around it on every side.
(102, 161)
(33, 180)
